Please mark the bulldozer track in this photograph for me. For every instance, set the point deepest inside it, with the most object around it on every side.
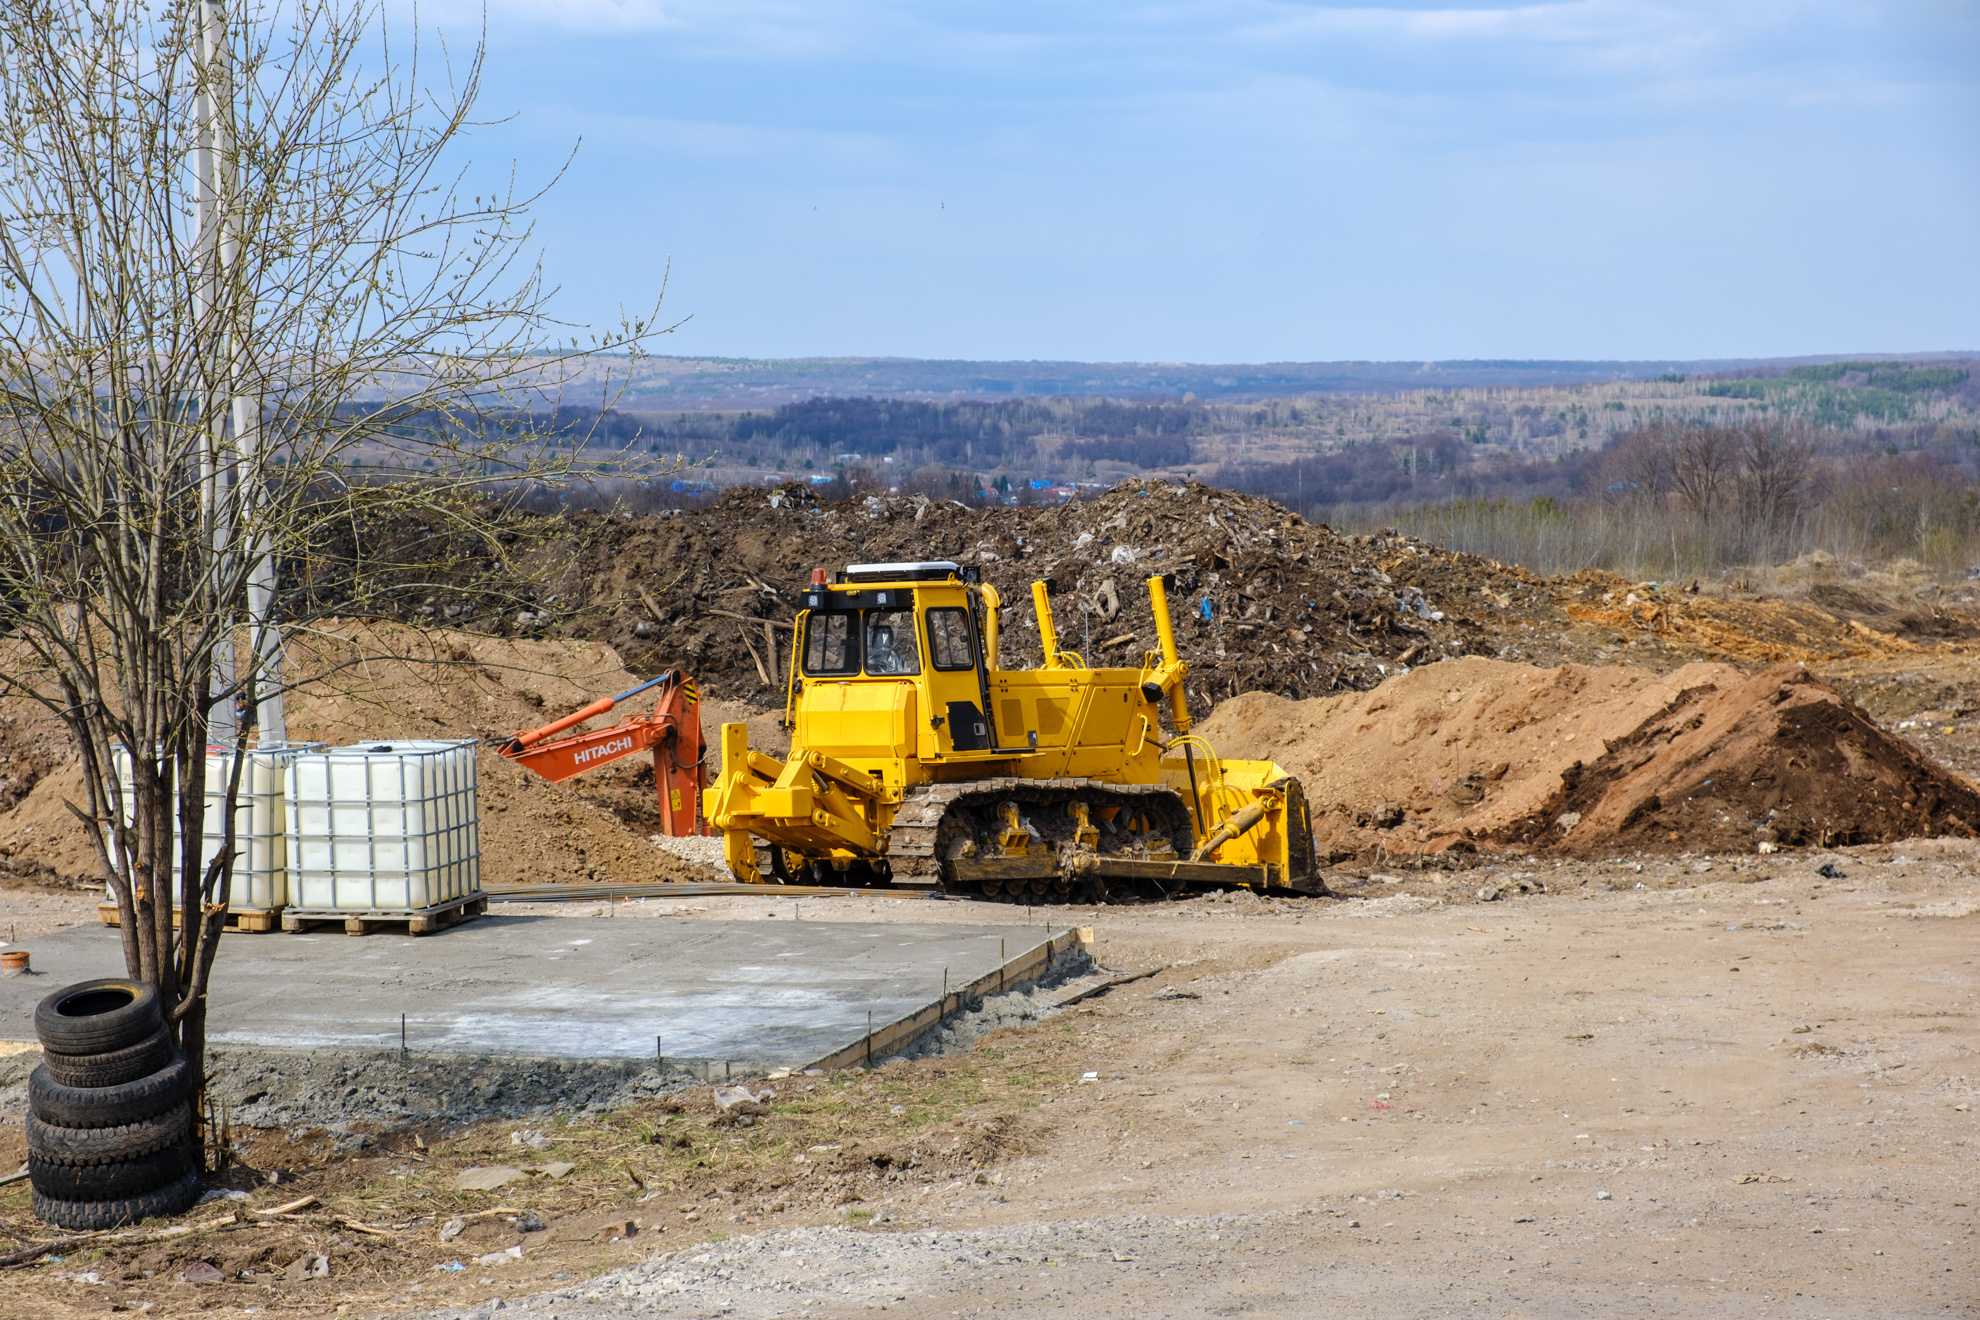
(934, 818)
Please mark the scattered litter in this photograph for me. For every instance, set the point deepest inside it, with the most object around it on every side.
(225, 1194)
(199, 1272)
(1761, 1178)
(1394, 905)
(486, 1180)
(1175, 993)
(1957, 907)
(558, 1169)
(1830, 871)
(502, 1257)
(728, 1097)
(452, 1267)
(1603, 1196)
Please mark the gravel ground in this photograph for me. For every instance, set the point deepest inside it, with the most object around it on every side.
(780, 1274)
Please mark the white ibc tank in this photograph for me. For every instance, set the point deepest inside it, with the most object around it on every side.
(383, 827)
(261, 860)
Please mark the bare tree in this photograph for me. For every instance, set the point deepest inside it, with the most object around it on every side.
(1776, 468)
(238, 264)
(1705, 471)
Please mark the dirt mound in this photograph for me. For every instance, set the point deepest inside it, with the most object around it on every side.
(1480, 754)
(390, 681)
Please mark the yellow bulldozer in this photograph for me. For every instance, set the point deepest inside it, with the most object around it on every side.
(918, 760)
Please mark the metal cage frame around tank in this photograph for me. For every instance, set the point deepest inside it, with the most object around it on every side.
(261, 821)
(362, 843)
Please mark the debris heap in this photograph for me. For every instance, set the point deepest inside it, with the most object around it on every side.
(1261, 598)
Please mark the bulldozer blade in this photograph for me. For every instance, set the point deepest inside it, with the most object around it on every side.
(1214, 874)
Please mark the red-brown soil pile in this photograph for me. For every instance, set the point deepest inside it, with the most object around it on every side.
(1480, 754)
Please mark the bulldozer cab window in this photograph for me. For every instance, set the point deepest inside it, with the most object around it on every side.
(948, 639)
(890, 644)
(831, 646)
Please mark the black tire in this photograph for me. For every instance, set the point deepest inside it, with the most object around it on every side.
(108, 1106)
(113, 1145)
(87, 1216)
(115, 1182)
(95, 1017)
(114, 1067)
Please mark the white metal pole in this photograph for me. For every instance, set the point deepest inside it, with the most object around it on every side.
(209, 151)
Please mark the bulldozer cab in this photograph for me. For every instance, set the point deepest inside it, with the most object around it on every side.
(891, 666)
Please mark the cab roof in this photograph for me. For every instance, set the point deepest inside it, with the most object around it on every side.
(925, 570)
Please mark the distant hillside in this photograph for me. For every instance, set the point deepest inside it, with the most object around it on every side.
(694, 384)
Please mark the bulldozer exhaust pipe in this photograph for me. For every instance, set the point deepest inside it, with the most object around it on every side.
(1165, 629)
(1048, 632)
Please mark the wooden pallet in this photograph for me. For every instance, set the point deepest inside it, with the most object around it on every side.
(424, 921)
(249, 921)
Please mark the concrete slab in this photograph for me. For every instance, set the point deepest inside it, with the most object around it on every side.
(754, 993)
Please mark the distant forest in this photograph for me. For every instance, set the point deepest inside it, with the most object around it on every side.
(1661, 501)
(983, 435)
(1675, 474)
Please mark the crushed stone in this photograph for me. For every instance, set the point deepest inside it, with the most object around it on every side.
(334, 1089)
(779, 1274)
(703, 851)
(1021, 1006)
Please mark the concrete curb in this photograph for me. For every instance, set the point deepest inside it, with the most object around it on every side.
(1028, 966)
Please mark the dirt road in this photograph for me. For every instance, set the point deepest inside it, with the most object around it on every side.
(1713, 1093)
(1742, 1098)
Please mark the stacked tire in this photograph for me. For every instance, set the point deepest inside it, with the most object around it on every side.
(110, 1131)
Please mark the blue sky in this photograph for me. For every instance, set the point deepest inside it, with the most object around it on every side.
(1253, 180)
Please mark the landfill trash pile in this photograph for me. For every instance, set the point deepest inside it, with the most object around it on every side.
(1262, 599)
(1477, 756)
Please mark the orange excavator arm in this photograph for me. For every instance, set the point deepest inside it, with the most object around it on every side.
(672, 733)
